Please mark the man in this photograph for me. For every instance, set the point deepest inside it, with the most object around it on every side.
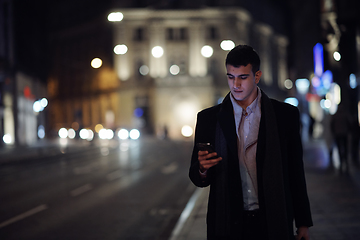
(256, 176)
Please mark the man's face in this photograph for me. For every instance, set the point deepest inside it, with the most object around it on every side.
(243, 83)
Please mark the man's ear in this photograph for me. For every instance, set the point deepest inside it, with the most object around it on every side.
(258, 76)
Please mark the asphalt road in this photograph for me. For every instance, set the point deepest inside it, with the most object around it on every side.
(114, 190)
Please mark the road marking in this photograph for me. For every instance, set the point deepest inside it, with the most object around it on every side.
(81, 190)
(84, 169)
(24, 215)
(114, 175)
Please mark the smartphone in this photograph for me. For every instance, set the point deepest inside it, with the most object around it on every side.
(205, 147)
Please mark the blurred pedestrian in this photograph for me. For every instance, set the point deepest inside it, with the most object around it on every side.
(255, 169)
(340, 126)
(311, 126)
(355, 140)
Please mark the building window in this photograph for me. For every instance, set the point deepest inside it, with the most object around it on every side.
(213, 33)
(176, 34)
(183, 68)
(183, 33)
(170, 33)
(139, 34)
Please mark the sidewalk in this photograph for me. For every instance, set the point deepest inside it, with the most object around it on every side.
(334, 199)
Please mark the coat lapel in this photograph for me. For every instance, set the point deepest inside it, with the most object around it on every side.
(227, 124)
(269, 165)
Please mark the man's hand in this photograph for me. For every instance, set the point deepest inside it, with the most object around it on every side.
(302, 233)
(206, 163)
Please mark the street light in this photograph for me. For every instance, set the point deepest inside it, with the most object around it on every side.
(120, 49)
(207, 51)
(115, 17)
(227, 45)
(96, 63)
(157, 52)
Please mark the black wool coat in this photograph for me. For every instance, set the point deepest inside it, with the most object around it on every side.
(281, 179)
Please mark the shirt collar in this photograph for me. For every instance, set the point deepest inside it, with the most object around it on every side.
(250, 109)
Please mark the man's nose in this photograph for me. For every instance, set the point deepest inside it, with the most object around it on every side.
(237, 82)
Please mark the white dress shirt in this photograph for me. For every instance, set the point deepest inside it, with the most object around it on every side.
(247, 127)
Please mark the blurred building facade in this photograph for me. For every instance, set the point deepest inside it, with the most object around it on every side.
(135, 89)
(168, 90)
(81, 96)
(153, 94)
(22, 75)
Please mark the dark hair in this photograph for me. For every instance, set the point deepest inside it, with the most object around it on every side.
(242, 55)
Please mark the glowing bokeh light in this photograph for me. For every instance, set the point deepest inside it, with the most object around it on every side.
(187, 131)
(318, 53)
(84, 134)
(327, 103)
(138, 112)
(315, 81)
(288, 84)
(43, 102)
(37, 106)
(63, 133)
(333, 97)
(120, 49)
(302, 85)
(293, 101)
(98, 127)
(123, 134)
(352, 81)
(144, 70)
(327, 79)
(134, 134)
(7, 138)
(71, 133)
(207, 51)
(174, 69)
(109, 134)
(157, 52)
(90, 135)
(115, 17)
(227, 45)
(41, 132)
(96, 63)
(337, 56)
(106, 134)
(102, 133)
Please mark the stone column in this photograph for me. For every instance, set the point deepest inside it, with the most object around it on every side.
(242, 24)
(197, 63)
(264, 33)
(121, 62)
(158, 66)
(281, 44)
